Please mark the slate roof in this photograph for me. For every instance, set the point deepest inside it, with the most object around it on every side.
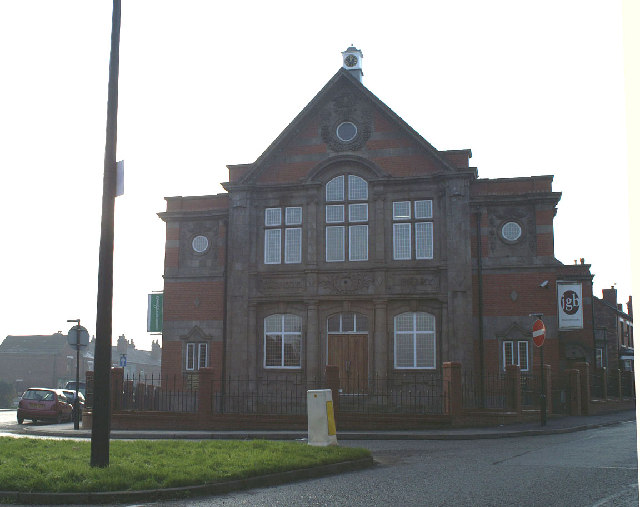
(34, 344)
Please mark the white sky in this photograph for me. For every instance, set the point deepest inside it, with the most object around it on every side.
(531, 88)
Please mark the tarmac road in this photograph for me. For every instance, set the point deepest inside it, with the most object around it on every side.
(590, 468)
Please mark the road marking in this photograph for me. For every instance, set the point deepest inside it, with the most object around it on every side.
(604, 501)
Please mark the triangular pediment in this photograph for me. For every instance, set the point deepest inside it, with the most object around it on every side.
(391, 147)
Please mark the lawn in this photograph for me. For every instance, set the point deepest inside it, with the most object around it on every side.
(62, 466)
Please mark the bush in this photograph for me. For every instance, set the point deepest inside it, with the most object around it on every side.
(7, 393)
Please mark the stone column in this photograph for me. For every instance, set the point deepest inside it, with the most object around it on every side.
(605, 384)
(380, 341)
(547, 391)
(617, 380)
(117, 381)
(312, 342)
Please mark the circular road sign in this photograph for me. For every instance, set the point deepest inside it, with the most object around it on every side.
(539, 331)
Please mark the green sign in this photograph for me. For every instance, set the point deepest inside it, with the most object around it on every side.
(154, 313)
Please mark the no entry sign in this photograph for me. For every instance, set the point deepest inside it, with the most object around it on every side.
(539, 332)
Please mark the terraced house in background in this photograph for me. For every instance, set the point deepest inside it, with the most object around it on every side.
(353, 242)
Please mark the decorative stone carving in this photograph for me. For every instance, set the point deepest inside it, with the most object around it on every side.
(345, 107)
(347, 283)
(268, 285)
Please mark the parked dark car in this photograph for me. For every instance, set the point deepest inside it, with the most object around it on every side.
(71, 396)
(41, 403)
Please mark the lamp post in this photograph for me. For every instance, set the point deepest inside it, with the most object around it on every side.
(78, 337)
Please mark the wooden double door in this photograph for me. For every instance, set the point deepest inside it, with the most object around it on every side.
(350, 353)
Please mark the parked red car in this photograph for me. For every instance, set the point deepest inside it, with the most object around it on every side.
(39, 403)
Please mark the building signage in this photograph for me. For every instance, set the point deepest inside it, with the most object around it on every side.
(154, 313)
(569, 305)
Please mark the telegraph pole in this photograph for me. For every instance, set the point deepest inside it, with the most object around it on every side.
(101, 423)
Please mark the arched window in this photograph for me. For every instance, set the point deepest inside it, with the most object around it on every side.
(282, 341)
(414, 340)
(347, 229)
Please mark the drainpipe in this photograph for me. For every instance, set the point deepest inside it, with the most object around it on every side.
(224, 315)
(480, 305)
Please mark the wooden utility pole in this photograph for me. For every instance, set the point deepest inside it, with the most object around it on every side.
(101, 422)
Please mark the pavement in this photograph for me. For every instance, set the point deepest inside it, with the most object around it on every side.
(554, 425)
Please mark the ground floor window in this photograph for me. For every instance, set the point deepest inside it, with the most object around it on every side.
(599, 358)
(197, 356)
(414, 340)
(282, 341)
(515, 352)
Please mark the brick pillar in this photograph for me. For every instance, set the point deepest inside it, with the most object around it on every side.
(88, 399)
(117, 381)
(332, 380)
(573, 391)
(585, 388)
(452, 388)
(128, 394)
(513, 388)
(205, 392)
(605, 382)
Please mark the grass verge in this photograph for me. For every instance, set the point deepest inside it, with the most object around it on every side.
(62, 466)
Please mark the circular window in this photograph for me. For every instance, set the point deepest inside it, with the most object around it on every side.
(346, 131)
(511, 231)
(200, 244)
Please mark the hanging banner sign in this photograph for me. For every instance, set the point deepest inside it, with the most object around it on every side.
(154, 313)
(569, 305)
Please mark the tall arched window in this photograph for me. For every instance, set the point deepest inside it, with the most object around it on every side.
(282, 341)
(347, 229)
(414, 340)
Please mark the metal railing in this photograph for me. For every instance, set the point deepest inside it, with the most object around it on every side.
(287, 395)
(488, 392)
(176, 393)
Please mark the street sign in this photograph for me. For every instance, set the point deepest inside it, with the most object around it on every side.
(78, 336)
(123, 360)
(539, 331)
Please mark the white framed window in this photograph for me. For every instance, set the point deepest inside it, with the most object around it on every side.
(414, 341)
(348, 242)
(358, 212)
(334, 213)
(515, 352)
(424, 240)
(272, 217)
(196, 356)
(358, 188)
(272, 242)
(293, 245)
(402, 210)
(348, 322)
(335, 189)
(283, 341)
(401, 241)
(423, 209)
(293, 216)
(335, 243)
(421, 246)
(358, 242)
(273, 245)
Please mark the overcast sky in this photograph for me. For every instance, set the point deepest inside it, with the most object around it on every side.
(530, 88)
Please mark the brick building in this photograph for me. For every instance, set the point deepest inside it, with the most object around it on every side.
(352, 241)
(613, 332)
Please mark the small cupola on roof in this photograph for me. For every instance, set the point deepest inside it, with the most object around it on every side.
(352, 61)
